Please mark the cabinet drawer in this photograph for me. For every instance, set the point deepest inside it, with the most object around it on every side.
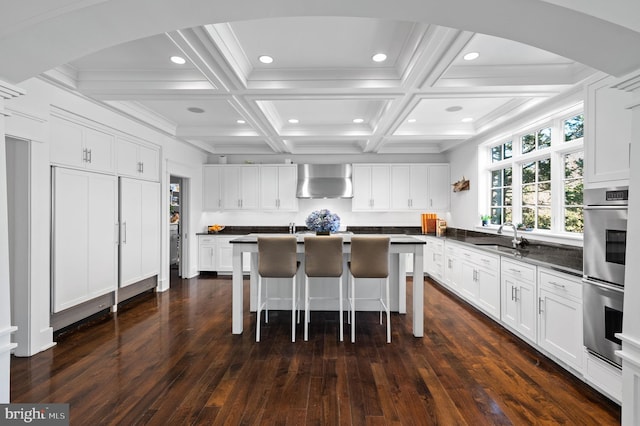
(207, 240)
(561, 285)
(521, 271)
(481, 259)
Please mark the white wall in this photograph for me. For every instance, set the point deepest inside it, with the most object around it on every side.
(463, 162)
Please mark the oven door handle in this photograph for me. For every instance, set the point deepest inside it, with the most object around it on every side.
(603, 285)
(618, 207)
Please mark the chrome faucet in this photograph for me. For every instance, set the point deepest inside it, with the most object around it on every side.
(515, 240)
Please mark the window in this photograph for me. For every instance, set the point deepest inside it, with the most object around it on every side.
(536, 176)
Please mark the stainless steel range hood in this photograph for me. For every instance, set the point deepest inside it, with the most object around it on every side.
(324, 181)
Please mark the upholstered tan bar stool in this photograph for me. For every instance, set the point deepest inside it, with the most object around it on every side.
(322, 259)
(277, 259)
(369, 259)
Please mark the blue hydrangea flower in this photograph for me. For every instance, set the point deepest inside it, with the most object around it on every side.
(323, 221)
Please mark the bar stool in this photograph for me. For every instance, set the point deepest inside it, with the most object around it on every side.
(322, 259)
(369, 259)
(277, 259)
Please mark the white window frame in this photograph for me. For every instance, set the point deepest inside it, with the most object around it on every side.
(555, 152)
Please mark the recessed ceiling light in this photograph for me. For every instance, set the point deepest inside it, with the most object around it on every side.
(178, 60)
(293, 121)
(358, 120)
(453, 108)
(195, 110)
(471, 56)
(411, 120)
(379, 57)
(467, 120)
(265, 59)
(240, 121)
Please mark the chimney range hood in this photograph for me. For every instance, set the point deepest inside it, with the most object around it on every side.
(324, 181)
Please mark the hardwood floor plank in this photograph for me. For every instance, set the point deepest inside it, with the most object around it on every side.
(170, 358)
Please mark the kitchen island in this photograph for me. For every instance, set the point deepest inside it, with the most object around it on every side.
(400, 245)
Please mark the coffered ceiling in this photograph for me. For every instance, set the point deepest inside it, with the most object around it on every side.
(322, 93)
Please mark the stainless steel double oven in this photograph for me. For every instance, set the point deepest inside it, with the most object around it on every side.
(605, 249)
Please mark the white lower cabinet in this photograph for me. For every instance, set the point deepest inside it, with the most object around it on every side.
(452, 267)
(85, 237)
(560, 317)
(207, 253)
(480, 281)
(434, 258)
(519, 297)
(215, 253)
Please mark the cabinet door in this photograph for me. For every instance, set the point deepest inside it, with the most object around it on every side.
(269, 187)
(380, 187)
(287, 183)
(452, 268)
(419, 187)
(401, 184)
(100, 148)
(150, 162)
(439, 187)
(527, 313)
(66, 143)
(206, 253)
(469, 282)
(560, 327)
(361, 187)
(607, 134)
(250, 187)
(224, 261)
(131, 231)
(509, 309)
(489, 291)
(211, 197)
(230, 188)
(150, 229)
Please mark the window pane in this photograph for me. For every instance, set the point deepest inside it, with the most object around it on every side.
(496, 153)
(528, 217)
(544, 218)
(573, 165)
(508, 196)
(496, 216)
(528, 143)
(508, 214)
(544, 170)
(529, 173)
(574, 128)
(507, 177)
(528, 195)
(573, 190)
(574, 219)
(544, 194)
(508, 150)
(544, 138)
(496, 197)
(496, 178)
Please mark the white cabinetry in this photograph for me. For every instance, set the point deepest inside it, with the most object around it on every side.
(607, 134)
(207, 253)
(211, 183)
(240, 187)
(410, 186)
(519, 298)
(278, 187)
(139, 230)
(439, 188)
(215, 253)
(81, 146)
(85, 236)
(560, 316)
(434, 258)
(452, 266)
(480, 283)
(371, 187)
(137, 160)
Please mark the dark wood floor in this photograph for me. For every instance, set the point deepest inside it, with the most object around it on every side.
(170, 358)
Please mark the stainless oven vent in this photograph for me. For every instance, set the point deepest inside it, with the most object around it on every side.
(324, 181)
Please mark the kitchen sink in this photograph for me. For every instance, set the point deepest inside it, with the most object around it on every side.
(503, 249)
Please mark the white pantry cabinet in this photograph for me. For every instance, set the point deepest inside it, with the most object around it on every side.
(240, 187)
(85, 236)
(137, 160)
(278, 187)
(80, 146)
(519, 297)
(560, 316)
(139, 230)
(211, 184)
(371, 187)
(607, 134)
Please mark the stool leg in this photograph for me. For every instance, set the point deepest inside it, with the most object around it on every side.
(340, 320)
(259, 308)
(293, 309)
(388, 311)
(306, 308)
(353, 310)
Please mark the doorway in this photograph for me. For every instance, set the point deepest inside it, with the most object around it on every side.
(175, 224)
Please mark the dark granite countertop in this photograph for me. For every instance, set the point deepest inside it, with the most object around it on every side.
(563, 258)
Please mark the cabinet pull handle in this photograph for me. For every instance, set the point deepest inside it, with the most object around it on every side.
(540, 310)
(517, 271)
(124, 230)
(449, 263)
(141, 167)
(89, 156)
(557, 284)
(512, 288)
(516, 298)
(486, 260)
(84, 155)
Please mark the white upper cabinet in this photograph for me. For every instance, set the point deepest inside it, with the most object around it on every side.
(211, 184)
(278, 187)
(371, 187)
(138, 161)
(410, 186)
(80, 146)
(439, 188)
(607, 134)
(240, 187)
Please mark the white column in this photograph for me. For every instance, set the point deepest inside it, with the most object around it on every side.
(7, 91)
(630, 335)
